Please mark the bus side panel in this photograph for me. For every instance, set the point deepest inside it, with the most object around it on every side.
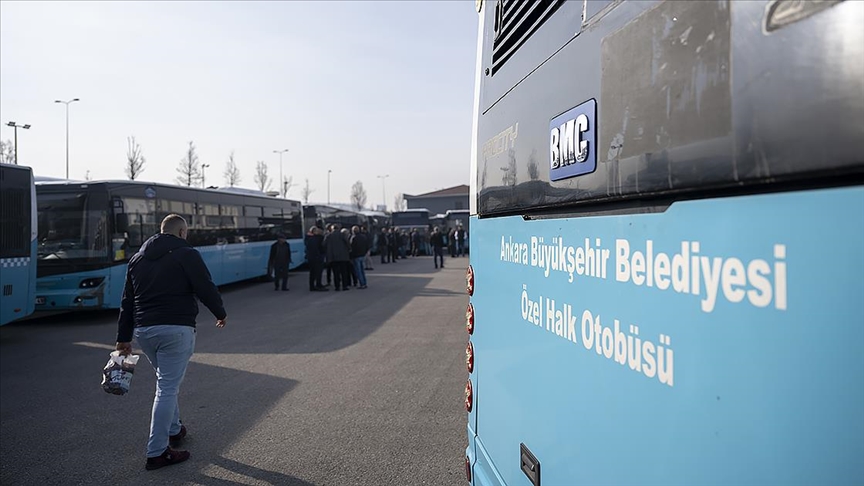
(17, 280)
(718, 342)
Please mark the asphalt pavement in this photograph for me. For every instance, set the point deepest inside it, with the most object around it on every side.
(363, 387)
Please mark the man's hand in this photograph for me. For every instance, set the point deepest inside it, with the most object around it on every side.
(124, 348)
(221, 322)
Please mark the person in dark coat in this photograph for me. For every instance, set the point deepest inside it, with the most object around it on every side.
(359, 248)
(338, 252)
(279, 262)
(164, 282)
(437, 241)
(314, 243)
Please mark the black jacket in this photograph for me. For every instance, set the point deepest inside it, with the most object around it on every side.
(359, 245)
(162, 281)
(280, 258)
(314, 248)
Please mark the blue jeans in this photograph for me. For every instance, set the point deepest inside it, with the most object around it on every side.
(360, 269)
(168, 347)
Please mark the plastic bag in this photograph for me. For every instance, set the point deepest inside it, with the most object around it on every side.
(117, 374)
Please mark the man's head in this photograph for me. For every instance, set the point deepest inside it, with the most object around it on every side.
(355, 229)
(281, 237)
(174, 224)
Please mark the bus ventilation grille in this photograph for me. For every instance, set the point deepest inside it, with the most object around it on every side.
(7, 290)
(515, 21)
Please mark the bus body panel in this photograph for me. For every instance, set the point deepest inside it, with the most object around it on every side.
(760, 379)
(17, 242)
(686, 98)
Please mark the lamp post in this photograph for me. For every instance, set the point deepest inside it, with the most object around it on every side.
(328, 185)
(383, 190)
(67, 130)
(203, 182)
(14, 125)
(281, 178)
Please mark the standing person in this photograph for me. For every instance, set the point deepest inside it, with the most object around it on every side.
(415, 242)
(314, 243)
(393, 244)
(159, 307)
(338, 256)
(460, 240)
(451, 242)
(327, 266)
(359, 247)
(437, 241)
(383, 250)
(367, 260)
(279, 262)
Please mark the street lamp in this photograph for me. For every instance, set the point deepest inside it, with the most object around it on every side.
(328, 185)
(281, 179)
(203, 183)
(383, 191)
(16, 127)
(67, 130)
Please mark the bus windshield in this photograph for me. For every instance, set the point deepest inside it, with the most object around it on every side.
(71, 226)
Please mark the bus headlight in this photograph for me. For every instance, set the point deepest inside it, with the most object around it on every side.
(89, 283)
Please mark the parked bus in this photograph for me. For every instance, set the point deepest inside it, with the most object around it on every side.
(667, 222)
(410, 218)
(17, 242)
(87, 231)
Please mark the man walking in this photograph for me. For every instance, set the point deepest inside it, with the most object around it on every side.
(279, 262)
(159, 307)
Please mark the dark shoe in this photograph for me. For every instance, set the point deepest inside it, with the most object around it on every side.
(322, 289)
(276, 289)
(285, 290)
(362, 286)
(177, 439)
(168, 458)
(344, 288)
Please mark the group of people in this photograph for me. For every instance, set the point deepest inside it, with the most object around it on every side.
(343, 253)
(395, 244)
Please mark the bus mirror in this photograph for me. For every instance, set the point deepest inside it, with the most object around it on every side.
(121, 223)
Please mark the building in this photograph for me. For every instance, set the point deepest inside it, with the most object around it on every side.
(438, 202)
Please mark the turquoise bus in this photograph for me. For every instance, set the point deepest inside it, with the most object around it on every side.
(17, 242)
(667, 227)
(87, 231)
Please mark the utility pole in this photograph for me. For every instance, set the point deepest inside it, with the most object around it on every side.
(67, 130)
(203, 183)
(16, 127)
(281, 178)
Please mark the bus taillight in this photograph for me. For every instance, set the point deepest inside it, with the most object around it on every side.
(469, 396)
(468, 468)
(469, 280)
(469, 318)
(469, 357)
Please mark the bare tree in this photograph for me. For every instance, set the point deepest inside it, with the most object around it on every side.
(358, 195)
(134, 158)
(232, 172)
(7, 152)
(287, 184)
(189, 169)
(306, 192)
(262, 180)
(399, 203)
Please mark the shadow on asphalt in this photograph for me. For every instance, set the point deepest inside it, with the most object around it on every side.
(261, 320)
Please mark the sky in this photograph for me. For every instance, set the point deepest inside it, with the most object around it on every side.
(364, 89)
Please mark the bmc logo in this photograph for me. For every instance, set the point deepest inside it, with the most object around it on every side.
(572, 142)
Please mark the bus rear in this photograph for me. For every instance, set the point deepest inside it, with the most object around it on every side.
(667, 227)
(17, 242)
